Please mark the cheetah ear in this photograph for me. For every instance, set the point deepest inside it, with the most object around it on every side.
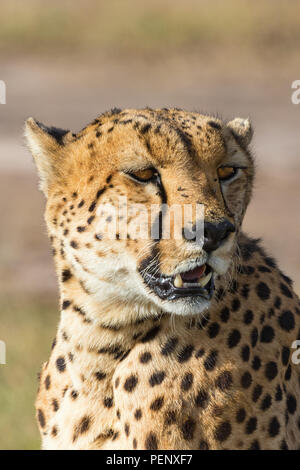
(46, 145)
(241, 130)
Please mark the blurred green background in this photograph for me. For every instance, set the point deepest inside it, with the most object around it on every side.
(64, 62)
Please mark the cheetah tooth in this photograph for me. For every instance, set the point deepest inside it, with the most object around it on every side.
(204, 280)
(178, 281)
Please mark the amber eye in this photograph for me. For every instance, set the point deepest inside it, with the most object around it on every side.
(226, 173)
(144, 175)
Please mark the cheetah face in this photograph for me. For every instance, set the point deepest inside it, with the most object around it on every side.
(122, 176)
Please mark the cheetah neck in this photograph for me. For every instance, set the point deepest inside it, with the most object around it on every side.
(94, 338)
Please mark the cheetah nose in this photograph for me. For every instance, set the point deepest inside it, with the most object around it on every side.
(216, 233)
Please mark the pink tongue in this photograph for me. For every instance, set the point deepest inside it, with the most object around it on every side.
(193, 275)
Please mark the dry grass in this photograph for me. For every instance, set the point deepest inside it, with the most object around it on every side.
(27, 330)
(157, 27)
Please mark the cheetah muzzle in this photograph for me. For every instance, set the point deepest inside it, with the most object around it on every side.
(197, 282)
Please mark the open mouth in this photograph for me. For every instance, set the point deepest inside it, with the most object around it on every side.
(196, 282)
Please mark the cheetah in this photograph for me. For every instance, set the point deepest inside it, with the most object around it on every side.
(163, 343)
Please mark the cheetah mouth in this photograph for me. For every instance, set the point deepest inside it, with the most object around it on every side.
(195, 282)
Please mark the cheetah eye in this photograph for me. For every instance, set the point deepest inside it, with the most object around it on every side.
(144, 176)
(226, 173)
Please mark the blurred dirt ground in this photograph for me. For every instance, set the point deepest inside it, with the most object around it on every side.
(65, 64)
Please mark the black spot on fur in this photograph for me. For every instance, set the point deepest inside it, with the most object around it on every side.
(108, 402)
(235, 304)
(151, 442)
(263, 291)
(245, 353)
(256, 363)
(246, 380)
(82, 427)
(241, 415)
(203, 445)
(257, 391)
(92, 206)
(145, 357)
(266, 402)
(66, 275)
(251, 425)
(286, 320)
(61, 364)
(130, 383)
(271, 370)
(224, 381)
(66, 304)
(211, 360)
(151, 334)
(185, 354)
(55, 405)
(201, 399)
(41, 418)
(170, 417)
(213, 330)
(291, 403)
(233, 338)
(157, 378)
(214, 124)
(286, 291)
(267, 334)
(138, 414)
(145, 128)
(187, 381)
(274, 427)
(200, 353)
(285, 355)
(223, 431)
(157, 404)
(225, 314)
(245, 291)
(278, 395)
(270, 262)
(188, 429)
(169, 346)
(47, 382)
(100, 375)
(248, 317)
(100, 192)
(254, 337)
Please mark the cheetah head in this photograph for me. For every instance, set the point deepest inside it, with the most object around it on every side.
(112, 187)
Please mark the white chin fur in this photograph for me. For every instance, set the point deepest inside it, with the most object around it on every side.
(186, 306)
(219, 265)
